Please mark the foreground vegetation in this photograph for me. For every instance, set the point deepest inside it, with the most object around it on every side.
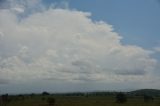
(82, 99)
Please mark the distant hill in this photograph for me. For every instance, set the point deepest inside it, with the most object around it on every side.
(141, 92)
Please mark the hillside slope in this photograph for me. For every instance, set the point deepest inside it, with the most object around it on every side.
(141, 92)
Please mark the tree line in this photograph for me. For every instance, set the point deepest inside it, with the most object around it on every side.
(120, 97)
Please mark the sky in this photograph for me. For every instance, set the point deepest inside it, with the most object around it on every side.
(79, 45)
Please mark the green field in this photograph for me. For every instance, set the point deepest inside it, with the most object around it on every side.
(80, 101)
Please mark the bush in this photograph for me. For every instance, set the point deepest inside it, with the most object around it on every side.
(148, 98)
(51, 101)
(121, 98)
(45, 93)
(5, 99)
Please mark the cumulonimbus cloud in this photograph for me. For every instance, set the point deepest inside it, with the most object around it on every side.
(66, 45)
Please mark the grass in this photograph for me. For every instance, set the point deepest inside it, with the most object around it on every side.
(82, 101)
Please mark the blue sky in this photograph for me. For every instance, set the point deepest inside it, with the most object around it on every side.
(136, 20)
(79, 45)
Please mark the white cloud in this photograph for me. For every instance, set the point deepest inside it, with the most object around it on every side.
(157, 49)
(1, 35)
(18, 10)
(66, 45)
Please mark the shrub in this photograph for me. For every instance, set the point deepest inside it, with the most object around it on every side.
(5, 99)
(148, 98)
(51, 101)
(121, 98)
(45, 93)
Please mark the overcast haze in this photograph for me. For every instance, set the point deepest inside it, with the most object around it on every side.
(61, 46)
